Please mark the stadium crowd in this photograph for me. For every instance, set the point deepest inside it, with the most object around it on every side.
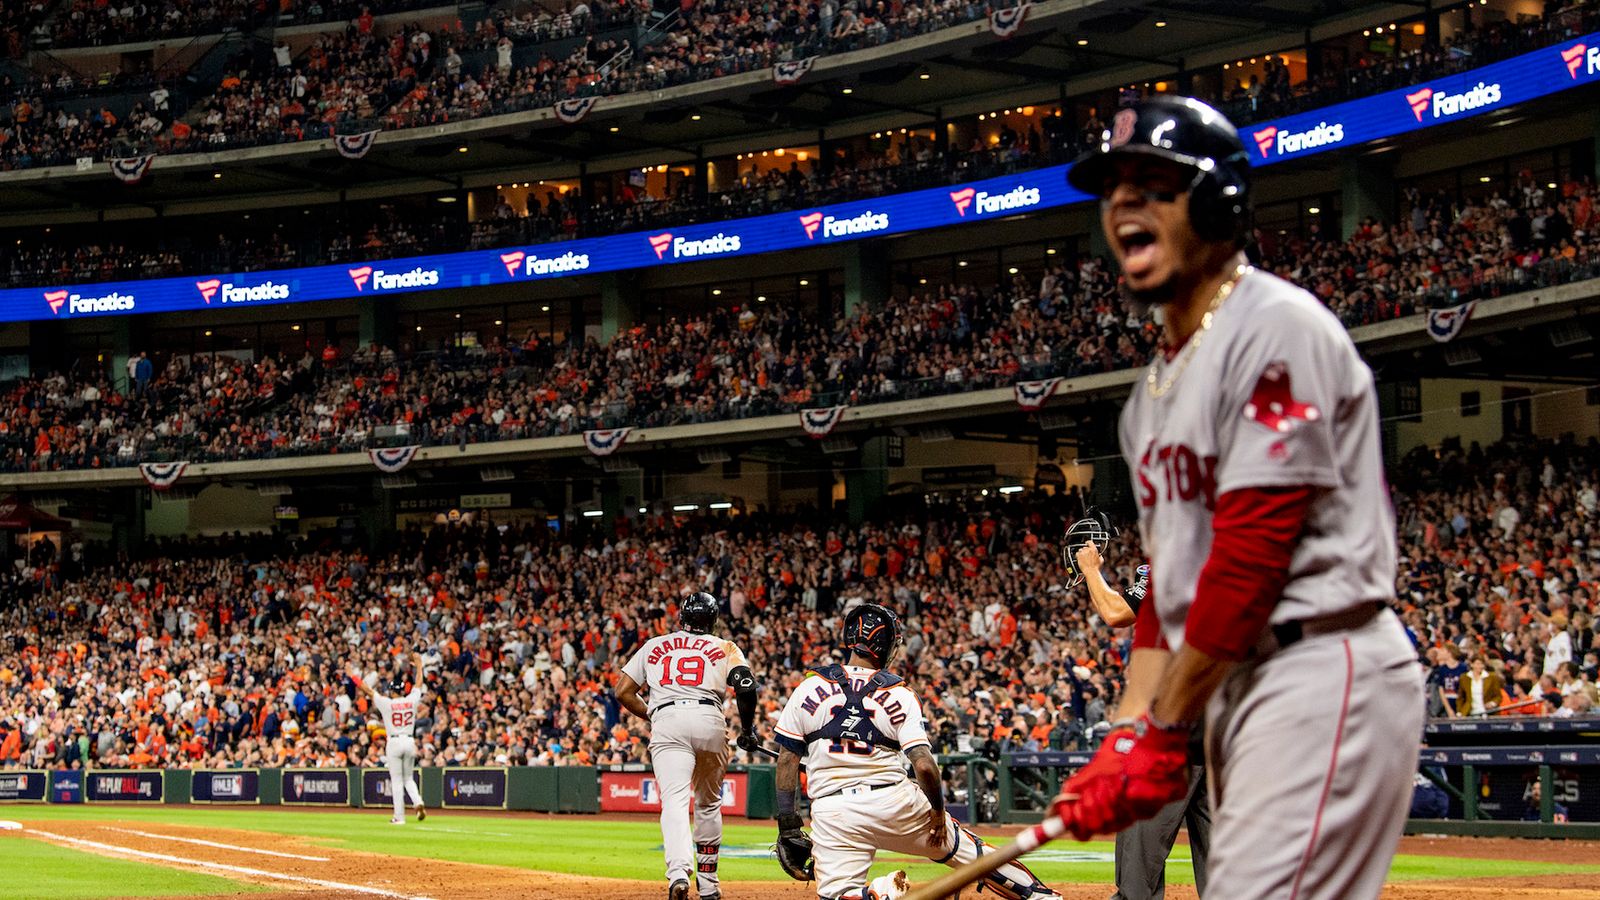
(231, 652)
(764, 360)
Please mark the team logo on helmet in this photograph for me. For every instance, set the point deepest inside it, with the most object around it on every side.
(1122, 127)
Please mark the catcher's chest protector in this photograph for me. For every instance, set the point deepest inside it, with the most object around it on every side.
(852, 721)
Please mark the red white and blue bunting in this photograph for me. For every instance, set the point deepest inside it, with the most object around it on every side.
(820, 422)
(1005, 22)
(162, 475)
(793, 70)
(132, 169)
(354, 146)
(390, 460)
(605, 441)
(1445, 324)
(1033, 394)
(574, 110)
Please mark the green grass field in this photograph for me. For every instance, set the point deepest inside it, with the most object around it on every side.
(574, 845)
(34, 870)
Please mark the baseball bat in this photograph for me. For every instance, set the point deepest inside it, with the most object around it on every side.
(952, 882)
(770, 754)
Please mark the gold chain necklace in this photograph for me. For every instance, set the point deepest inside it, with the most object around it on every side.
(1223, 290)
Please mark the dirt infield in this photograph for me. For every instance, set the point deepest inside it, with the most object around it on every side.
(294, 868)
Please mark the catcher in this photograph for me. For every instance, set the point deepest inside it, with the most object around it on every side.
(851, 724)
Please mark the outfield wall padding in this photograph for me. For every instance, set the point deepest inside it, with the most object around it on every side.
(178, 785)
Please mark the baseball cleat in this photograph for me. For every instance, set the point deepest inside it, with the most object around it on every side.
(678, 891)
(422, 812)
(397, 821)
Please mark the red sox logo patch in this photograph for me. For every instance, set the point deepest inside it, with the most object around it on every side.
(1272, 403)
(1122, 127)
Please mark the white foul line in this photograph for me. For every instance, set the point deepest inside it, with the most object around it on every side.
(223, 867)
(204, 843)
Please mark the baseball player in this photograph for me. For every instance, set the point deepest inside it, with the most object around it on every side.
(1143, 847)
(399, 712)
(1253, 447)
(854, 726)
(687, 675)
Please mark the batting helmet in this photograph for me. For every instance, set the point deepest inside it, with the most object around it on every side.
(397, 685)
(1094, 528)
(872, 630)
(1190, 133)
(698, 614)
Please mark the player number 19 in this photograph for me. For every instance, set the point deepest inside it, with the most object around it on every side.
(691, 671)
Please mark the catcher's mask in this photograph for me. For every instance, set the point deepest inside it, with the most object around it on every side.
(1094, 528)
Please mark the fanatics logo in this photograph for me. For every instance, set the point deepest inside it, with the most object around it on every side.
(512, 260)
(660, 243)
(1419, 101)
(962, 200)
(360, 276)
(1573, 57)
(55, 299)
(208, 288)
(810, 222)
(1264, 139)
(1272, 403)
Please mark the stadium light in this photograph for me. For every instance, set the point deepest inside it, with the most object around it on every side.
(695, 117)
(804, 282)
(1161, 24)
(208, 332)
(924, 76)
(723, 505)
(962, 263)
(1083, 42)
(1011, 489)
(462, 148)
(716, 292)
(593, 513)
(1313, 209)
(1050, 251)
(544, 309)
(615, 129)
(847, 91)
(294, 327)
(644, 509)
(1012, 270)
(686, 507)
(216, 174)
(762, 298)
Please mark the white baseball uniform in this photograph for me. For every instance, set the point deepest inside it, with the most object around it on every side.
(861, 799)
(685, 677)
(1311, 746)
(400, 750)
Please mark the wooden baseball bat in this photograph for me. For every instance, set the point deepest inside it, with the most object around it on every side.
(952, 882)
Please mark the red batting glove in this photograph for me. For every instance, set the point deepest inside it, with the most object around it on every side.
(1138, 770)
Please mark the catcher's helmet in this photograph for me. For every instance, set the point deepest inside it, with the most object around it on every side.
(1190, 133)
(698, 613)
(1094, 528)
(872, 630)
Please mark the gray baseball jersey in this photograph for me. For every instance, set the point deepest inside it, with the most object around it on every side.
(1273, 395)
(684, 666)
(399, 713)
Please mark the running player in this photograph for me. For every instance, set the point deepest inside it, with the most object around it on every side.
(687, 675)
(854, 726)
(399, 712)
(1254, 448)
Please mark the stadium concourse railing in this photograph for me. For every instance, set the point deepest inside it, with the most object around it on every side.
(1519, 776)
(1513, 310)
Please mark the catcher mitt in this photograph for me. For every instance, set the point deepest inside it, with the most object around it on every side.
(794, 849)
(1094, 528)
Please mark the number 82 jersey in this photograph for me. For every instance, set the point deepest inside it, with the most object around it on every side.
(850, 726)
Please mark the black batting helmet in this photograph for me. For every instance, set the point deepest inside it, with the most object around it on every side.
(872, 630)
(397, 685)
(1094, 528)
(1190, 133)
(698, 613)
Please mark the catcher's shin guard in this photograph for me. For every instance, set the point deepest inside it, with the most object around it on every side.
(1012, 881)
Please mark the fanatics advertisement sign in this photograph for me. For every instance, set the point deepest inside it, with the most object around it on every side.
(1457, 97)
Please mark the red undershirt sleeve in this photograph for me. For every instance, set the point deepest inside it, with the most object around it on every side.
(1254, 535)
